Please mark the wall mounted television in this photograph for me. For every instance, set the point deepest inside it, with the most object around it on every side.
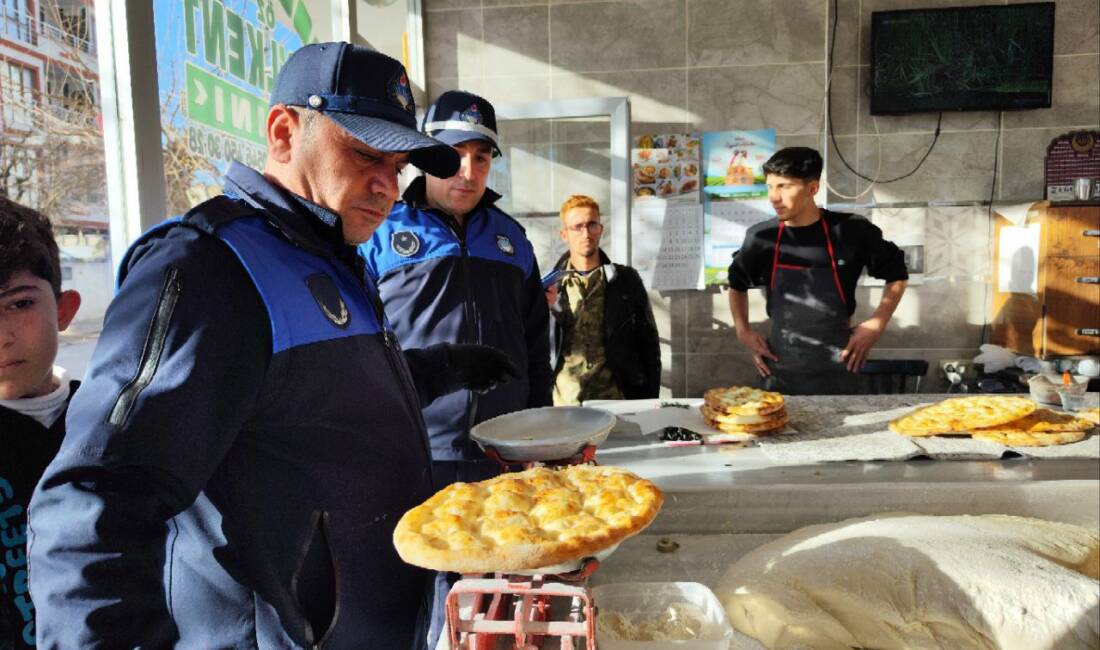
(992, 57)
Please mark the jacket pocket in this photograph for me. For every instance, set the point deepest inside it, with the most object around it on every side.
(315, 584)
(152, 350)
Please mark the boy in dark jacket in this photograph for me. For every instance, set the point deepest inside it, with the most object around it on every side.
(34, 394)
(603, 339)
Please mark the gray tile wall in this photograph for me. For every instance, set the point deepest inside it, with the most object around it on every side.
(724, 64)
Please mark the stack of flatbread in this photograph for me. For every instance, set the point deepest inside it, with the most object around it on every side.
(744, 410)
(1008, 420)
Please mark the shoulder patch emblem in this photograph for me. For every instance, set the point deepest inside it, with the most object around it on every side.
(505, 245)
(329, 300)
(405, 243)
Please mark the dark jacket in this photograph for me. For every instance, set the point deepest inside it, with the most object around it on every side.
(26, 447)
(630, 333)
(475, 283)
(245, 441)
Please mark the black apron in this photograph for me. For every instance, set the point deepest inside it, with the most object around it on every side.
(810, 327)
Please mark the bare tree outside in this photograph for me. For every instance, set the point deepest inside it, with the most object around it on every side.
(51, 142)
(51, 137)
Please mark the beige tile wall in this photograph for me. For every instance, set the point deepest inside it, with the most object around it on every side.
(724, 64)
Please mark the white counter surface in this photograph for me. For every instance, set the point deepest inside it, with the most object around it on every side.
(719, 467)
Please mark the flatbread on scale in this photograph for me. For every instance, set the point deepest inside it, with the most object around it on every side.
(526, 520)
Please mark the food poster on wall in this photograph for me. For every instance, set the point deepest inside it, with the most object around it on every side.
(734, 194)
(217, 65)
(733, 163)
(666, 166)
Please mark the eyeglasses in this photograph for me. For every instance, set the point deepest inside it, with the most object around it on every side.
(591, 226)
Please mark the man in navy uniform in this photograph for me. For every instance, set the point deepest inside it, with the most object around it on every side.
(452, 267)
(250, 431)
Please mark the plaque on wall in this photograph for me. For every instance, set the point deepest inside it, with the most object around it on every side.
(1072, 156)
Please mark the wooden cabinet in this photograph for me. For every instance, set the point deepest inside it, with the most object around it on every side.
(1063, 317)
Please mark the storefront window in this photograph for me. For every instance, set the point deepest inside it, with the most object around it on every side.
(51, 147)
(217, 63)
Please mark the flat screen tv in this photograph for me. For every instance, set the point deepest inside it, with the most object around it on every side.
(994, 57)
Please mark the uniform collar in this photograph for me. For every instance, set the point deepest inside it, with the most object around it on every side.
(306, 224)
(415, 196)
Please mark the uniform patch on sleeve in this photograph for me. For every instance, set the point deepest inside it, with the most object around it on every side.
(405, 243)
(329, 300)
(505, 245)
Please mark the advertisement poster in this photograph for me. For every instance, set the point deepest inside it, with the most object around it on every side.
(725, 224)
(666, 166)
(734, 194)
(217, 64)
(733, 163)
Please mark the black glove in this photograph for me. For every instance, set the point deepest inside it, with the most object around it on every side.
(479, 368)
(442, 369)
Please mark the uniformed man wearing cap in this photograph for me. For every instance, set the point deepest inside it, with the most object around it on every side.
(452, 267)
(250, 432)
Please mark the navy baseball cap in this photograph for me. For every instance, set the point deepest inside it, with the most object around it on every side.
(368, 94)
(457, 116)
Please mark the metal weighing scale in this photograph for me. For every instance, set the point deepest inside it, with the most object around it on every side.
(522, 605)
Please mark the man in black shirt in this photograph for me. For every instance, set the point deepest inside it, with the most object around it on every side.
(808, 261)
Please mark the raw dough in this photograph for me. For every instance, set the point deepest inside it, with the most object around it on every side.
(914, 581)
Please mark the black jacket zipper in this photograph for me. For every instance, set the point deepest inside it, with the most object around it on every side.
(151, 352)
(318, 534)
(393, 348)
(473, 320)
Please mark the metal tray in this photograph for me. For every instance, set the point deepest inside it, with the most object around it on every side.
(547, 433)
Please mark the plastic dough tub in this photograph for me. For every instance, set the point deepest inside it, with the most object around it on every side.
(648, 601)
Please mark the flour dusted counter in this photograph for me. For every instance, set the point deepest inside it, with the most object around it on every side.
(724, 501)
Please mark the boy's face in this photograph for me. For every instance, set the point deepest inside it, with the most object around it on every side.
(30, 318)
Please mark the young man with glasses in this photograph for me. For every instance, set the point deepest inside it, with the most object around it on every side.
(603, 339)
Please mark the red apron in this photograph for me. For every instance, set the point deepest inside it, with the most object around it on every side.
(810, 327)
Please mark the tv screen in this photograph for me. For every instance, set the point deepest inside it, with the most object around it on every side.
(996, 57)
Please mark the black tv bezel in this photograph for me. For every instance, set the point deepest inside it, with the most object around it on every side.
(880, 15)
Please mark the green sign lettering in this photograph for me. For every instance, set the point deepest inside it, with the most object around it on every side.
(213, 24)
(234, 42)
(216, 103)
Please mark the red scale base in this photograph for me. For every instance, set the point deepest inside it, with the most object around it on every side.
(521, 607)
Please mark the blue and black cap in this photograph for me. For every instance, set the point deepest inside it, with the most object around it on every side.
(457, 116)
(368, 94)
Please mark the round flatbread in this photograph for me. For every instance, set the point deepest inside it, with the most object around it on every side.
(1090, 414)
(962, 414)
(1041, 421)
(773, 425)
(526, 520)
(725, 418)
(743, 400)
(1024, 439)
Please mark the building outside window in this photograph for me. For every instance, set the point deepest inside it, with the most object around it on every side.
(17, 95)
